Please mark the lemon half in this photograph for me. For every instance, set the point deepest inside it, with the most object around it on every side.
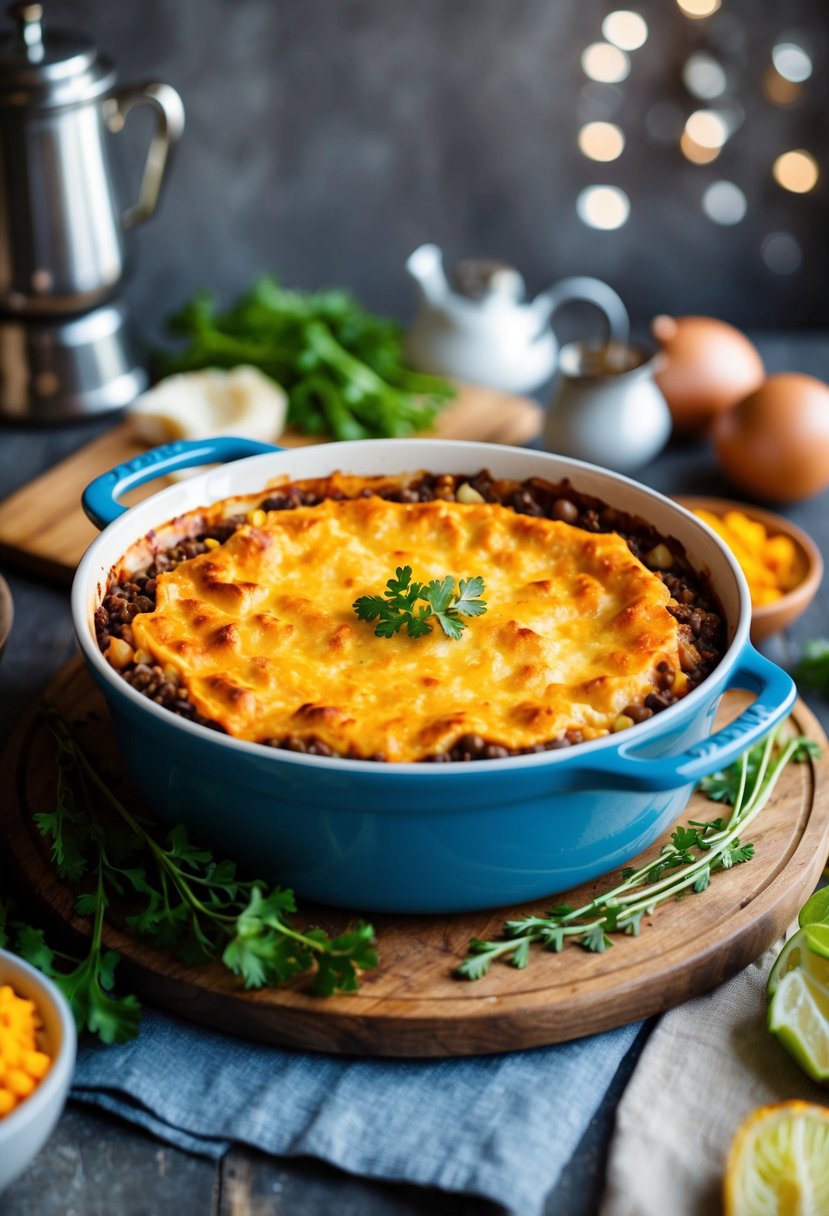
(779, 1162)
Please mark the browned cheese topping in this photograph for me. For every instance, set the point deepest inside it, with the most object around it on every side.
(263, 635)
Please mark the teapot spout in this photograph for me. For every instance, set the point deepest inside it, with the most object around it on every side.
(425, 266)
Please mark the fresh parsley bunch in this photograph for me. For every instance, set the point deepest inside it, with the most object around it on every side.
(185, 901)
(341, 366)
(397, 608)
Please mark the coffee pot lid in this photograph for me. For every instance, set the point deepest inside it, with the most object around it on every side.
(48, 67)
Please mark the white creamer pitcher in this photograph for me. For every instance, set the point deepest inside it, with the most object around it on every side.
(607, 407)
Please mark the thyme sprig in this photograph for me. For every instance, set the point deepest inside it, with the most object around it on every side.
(186, 902)
(685, 864)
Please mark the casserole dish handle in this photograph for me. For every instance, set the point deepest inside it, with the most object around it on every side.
(100, 498)
(776, 694)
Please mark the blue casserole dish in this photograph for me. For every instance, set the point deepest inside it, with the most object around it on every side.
(419, 837)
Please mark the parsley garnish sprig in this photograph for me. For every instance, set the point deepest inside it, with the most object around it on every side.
(397, 608)
(187, 902)
(685, 864)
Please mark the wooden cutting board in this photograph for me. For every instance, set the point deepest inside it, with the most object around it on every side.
(412, 1005)
(43, 527)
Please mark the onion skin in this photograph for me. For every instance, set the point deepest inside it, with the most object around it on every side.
(708, 366)
(775, 443)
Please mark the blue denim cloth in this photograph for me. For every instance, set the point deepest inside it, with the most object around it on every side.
(498, 1126)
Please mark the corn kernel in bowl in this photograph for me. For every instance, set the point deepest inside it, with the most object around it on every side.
(773, 565)
(23, 1064)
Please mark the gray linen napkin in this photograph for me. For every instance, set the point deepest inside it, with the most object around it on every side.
(707, 1065)
(501, 1126)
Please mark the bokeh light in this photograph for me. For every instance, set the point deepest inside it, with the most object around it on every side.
(606, 63)
(704, 76)
(695, 152)
(781, 253)
(604, 207)
(707, 129)
(779, 90)
(724, 203)
(625, 29)
(796, 171)
(601, 141)
(792, 62)
(698, 8)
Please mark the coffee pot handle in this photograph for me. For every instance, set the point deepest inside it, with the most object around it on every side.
(169, 116)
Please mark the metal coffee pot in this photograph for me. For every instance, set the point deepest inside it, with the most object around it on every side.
(65, 346)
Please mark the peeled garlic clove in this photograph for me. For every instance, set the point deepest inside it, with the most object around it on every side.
(201, 405)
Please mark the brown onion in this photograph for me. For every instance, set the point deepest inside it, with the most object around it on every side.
(707, 367)
(775, 443)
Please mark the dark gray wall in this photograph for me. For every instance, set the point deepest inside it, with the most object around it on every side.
(327, 138)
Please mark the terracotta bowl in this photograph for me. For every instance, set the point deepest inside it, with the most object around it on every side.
(771, 618)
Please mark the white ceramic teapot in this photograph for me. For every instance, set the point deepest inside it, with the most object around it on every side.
(488, 333)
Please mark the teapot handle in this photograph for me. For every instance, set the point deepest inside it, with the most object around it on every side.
(594, 291)
(169, 116)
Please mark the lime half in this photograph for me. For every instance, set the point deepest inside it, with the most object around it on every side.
(797, 953)
(817, 937)
(799, 1018)
(815, 909)
(779, 1162)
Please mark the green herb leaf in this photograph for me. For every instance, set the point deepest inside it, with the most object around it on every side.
(703, 881)
(30, 944)
(595, 940)
(93, 1006)
(85, 905)
(398, 608)
(476, 964)
(551, 938)
(805, 749)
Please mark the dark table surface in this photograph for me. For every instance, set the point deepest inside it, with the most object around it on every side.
(95, 1165)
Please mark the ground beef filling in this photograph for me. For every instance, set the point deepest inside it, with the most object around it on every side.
(694, 606)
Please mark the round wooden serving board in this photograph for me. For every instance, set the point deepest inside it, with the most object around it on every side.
(412, 1005)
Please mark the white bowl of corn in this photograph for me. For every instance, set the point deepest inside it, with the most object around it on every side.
(37, 1056)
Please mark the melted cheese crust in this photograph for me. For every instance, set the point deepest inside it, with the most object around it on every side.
(267, 644)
